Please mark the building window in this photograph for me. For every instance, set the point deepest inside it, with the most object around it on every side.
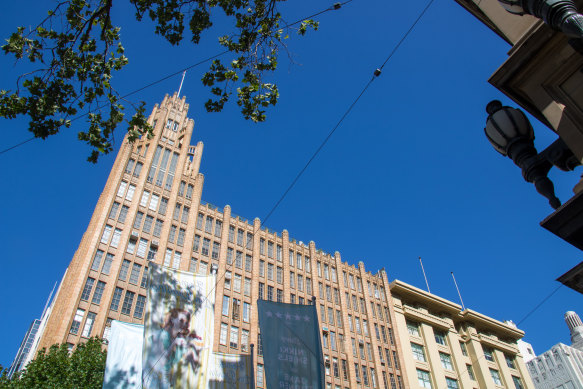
(244, 340)
(247, 287)
(445, 361)
(510, 362)
(259, 376)
(270, 292)
(248, 263)
(128, 301)
(464, 349)
(440, 338)
(116, 299)
(123, 214)
(157, 228)
(279, 296)
(152, 253)
(225, 310)
(142, 247)
(216, 249)
(451, 383)
(246, 312)
(239, 259)
(517, 382)
(163, 206)
(144, 282)
(471, 372)
(496, 377)
(488, 354)
(223, 334)
(418, 352)
(87, 289)
(98, 292)
(208, 227)
(77, 321)
(189, 190)
(424, 379)
(205, 247)
(125, 267)
(260, 291)
(234, 338)
(199, 220)
(135, 274)
(107, 264)
(88, 325)
(106, 234)
(240, 237)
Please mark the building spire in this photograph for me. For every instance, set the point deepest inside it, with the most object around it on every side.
(576, 328)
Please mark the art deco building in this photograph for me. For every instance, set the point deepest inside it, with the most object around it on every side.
(151, 211)
(561, 367)
(445, 346)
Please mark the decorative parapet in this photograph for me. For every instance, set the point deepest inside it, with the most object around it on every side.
(419, 315)
(493, 342)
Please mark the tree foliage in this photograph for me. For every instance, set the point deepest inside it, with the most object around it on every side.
(58, 368)
(76, 50)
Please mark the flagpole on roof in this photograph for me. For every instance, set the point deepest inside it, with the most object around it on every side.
(424, 276)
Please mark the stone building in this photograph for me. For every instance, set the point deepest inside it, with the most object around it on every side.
(151, 210)
(561, 367)
(447, 347)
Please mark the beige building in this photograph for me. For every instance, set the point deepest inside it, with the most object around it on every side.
(151, 210)
(447, 347)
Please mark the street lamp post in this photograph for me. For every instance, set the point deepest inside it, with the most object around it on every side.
(561, 15)
(510, 132)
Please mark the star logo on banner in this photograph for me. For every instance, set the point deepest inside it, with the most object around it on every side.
(297, 317)
(287, 317)
(269, 314)
(306, 318)
(279, 315)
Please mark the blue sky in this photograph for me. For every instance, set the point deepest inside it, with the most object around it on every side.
(409, 173)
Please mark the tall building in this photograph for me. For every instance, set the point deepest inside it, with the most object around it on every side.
(447, 347)
(151, 210)
(26, 347)
(561, 367)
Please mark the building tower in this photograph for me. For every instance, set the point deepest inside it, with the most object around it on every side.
(151, 210)
(575, 328)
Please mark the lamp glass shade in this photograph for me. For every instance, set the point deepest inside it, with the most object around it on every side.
(505, 126)
(513, 6)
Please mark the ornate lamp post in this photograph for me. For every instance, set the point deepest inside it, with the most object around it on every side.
(511, 134)
(561, 15)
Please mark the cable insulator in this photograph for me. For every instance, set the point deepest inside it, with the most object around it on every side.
(337, 5)
(377, 72)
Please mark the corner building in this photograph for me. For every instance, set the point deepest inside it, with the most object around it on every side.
(151, 210)
(445, 346)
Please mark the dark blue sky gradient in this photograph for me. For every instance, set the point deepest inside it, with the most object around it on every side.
(409, 173)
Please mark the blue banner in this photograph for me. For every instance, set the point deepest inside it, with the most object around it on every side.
(292, 351)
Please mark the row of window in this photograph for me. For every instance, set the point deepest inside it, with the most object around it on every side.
(134, 168)
(233, 339)
(206, 246)
(185, 190)
(234, 306)
(163, 167)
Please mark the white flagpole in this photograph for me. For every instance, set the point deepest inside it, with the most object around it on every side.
(458, 292)
(179, 89)
(424, 276)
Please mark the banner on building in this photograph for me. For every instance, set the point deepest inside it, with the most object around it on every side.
(123, 367)
(178, 329)
(230, 371)
(292, 350)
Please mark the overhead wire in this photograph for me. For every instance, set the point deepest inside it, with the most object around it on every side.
(534, 309)
(376, 73)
